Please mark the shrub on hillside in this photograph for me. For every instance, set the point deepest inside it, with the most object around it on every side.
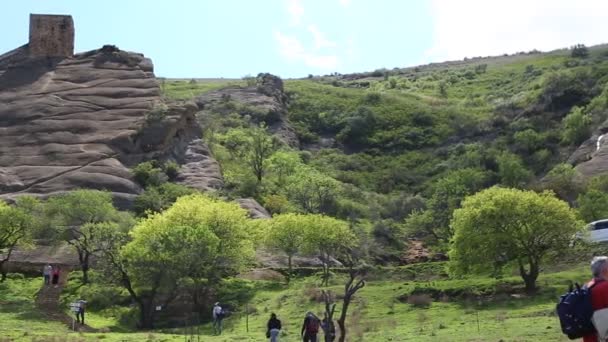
(576, 127)
(579, 51)
(146, 174)
(171, 170)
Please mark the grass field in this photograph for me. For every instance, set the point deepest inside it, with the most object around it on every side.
(474, 309)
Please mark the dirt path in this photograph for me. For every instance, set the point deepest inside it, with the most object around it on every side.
(48, 301)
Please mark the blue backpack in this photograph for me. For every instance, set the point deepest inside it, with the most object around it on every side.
(575, 311)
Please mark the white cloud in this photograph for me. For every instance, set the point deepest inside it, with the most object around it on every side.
(344, 3)
(470, 28)
(296, 11)
(292, 49)
(320, 40)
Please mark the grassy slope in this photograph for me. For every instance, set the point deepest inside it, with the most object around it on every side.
(376, 315)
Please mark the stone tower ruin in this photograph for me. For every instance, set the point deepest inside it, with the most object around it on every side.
(51, 35)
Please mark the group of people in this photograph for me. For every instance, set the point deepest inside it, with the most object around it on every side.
(310, 327)
(51, 274)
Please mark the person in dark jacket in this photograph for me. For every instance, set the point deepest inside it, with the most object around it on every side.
(274, 328)
(310, 328)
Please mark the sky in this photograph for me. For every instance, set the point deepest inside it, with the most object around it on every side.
(294, 38)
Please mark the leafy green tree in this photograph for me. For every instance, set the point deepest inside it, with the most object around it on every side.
(576, 126)
(498, 227)
(282, 164)
(512, 171)
(75, 217)
(330, 238)
(16, 228)
(287, 233)
(579, 51)
(195, 242)
(359, 126)
(260, 149)
(159, 198)
(565, 181)
(313, 191)
(593, 205)
(528, 140)
(448, 192)
(146, 174)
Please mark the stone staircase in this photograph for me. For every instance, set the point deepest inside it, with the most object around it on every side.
(48, 301)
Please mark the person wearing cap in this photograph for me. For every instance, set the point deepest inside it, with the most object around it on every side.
(218, 316)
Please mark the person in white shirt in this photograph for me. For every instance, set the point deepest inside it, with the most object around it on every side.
(46, 272)
(218, 316)
(80, 313)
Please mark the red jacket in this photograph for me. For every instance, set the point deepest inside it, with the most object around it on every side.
(599, 300)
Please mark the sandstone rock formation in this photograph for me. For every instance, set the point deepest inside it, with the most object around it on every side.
(81, 122)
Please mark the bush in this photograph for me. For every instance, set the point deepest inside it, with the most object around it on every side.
(372, 98)
(171, 170)
(146, 174)
(157, 113)
(576, 126)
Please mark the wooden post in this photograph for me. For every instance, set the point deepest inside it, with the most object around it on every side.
(247, 317)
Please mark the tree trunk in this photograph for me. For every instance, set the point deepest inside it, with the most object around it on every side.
(342, 319)
(146, 315)
(289, 268)
(529, 276)
(3, 270)
(85, 268)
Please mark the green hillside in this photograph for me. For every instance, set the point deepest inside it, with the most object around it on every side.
(390, 143)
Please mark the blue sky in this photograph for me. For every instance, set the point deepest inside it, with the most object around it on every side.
(294, 38)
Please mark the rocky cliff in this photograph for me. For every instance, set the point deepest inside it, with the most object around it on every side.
(68, 123)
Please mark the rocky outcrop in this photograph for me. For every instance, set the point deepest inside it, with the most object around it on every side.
(81, 122)
(591, 157)
(254, 208)
(263, 102)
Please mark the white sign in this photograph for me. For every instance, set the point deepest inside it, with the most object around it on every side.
(75, 307)
(158, 308)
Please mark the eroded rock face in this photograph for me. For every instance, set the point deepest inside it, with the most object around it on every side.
(266, 98)
(82, 122)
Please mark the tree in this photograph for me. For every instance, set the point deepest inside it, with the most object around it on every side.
(498, 227)
(448, 192)
(313, 191)
(512, 171)
(357, 272)
(76, 217)
(260, 147)
(159, 198)
(593, 205)
(565, 181)
(16, 228)
(579, 51)
(195, 242)
(576, 126)
(282, 164)
(328, 237)
(287, 232)
(146, 174)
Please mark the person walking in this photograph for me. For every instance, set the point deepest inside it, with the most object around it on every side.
(310, 328)
(56, 273)
(218, 316)
(274, 328)
(329, 328)
(80, 313)
(46, 273)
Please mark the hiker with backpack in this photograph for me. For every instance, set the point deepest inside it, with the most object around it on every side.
(577, 307)
(218, 316)
(274, 328)
(310, 328)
